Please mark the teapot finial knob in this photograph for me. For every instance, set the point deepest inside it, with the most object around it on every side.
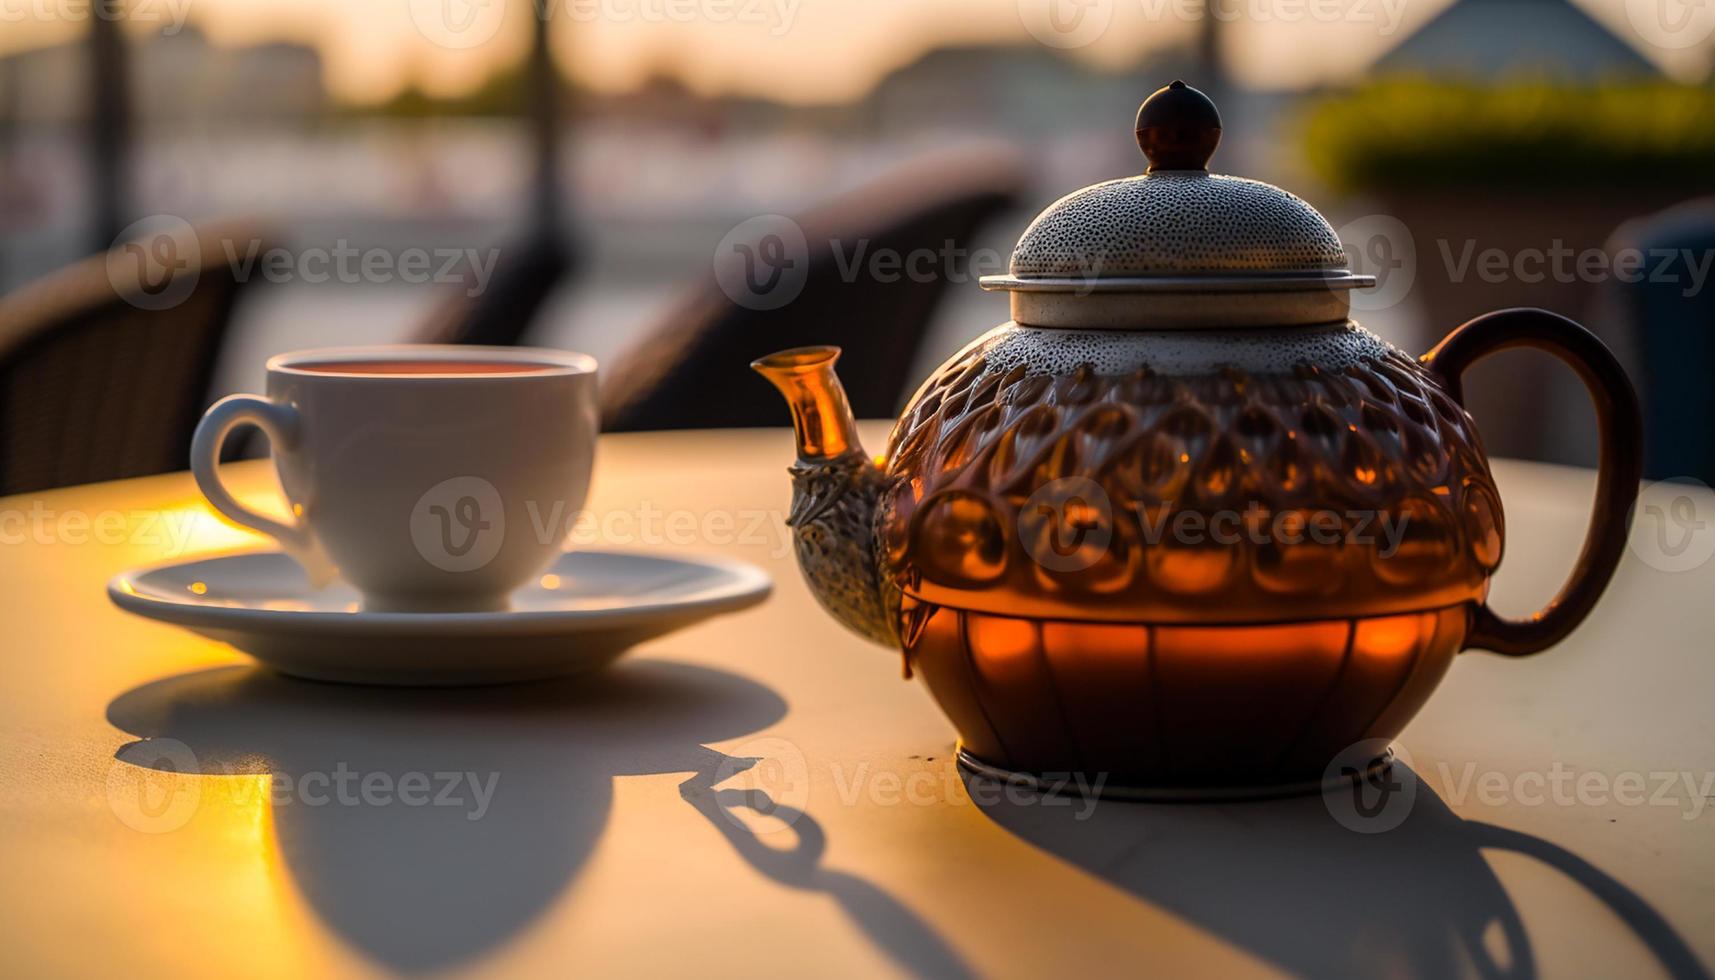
(1178, 128)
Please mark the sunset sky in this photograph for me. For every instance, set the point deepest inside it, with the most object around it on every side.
(796, 50)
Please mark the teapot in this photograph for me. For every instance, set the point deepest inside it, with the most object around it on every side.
(1181, 524)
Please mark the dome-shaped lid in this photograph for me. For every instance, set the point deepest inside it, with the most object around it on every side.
(1178, 247)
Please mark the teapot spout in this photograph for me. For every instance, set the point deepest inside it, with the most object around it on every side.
(821, 416)
(836, 491)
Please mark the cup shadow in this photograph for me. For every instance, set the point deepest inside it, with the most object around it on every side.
(425, 887)
(422, 886)
(1286, 882)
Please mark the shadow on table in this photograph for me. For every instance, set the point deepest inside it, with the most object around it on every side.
(519, 784)
(1286, 882)
(912, 945)
(519, 781)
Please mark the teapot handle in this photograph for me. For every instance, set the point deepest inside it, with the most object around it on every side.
(1621, 467)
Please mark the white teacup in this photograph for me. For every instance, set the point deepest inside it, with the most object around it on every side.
(429, 477)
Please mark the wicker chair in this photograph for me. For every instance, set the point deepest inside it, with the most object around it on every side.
(105, 366)
(692, 370)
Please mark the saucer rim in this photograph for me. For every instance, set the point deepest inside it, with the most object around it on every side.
(749, 585)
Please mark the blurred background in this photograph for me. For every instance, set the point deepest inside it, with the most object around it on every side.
(193, 185)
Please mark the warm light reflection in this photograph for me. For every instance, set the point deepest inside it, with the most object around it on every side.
(550, 581)
(189, 525)
(1171, 703)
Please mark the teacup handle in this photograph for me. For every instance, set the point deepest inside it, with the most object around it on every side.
(1621, 467)
(280, 424)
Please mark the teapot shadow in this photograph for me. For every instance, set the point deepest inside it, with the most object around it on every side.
(519, 784)
(1288, 883)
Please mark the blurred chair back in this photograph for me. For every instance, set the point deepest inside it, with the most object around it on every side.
(692, 370)
(1670, 312)
(105, 367)
(525, 274)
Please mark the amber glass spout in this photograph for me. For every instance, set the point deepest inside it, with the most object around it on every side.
(821, 416)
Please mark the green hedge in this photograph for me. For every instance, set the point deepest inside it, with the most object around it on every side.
(1523, 135)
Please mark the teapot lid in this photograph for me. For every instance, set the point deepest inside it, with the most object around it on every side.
(1178, 247)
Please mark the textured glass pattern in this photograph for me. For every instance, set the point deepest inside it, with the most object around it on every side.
(1191, 473)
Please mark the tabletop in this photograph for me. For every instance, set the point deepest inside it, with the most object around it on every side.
(167, 805)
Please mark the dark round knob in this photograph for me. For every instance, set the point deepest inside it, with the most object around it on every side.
(1178, 128)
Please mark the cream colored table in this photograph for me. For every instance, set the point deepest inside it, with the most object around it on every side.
(168, 809)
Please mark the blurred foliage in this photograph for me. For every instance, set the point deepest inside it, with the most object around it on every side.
(504, 92)
(1410, 133)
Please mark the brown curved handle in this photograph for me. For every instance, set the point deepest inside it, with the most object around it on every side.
(1621, 425)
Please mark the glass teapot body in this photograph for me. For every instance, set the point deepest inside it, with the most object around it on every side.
(1178, 558)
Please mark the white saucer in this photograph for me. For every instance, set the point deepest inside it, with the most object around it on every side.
(589, 608)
